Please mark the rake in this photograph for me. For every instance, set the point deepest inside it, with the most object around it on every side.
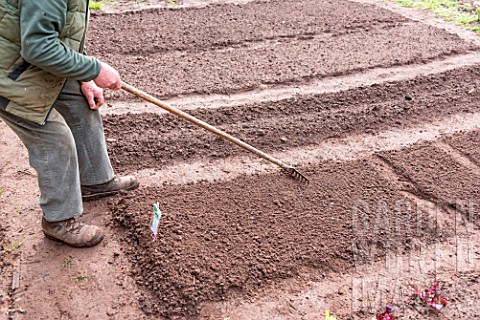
(290, 170)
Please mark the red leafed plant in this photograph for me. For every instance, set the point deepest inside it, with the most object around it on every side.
(387, 314)
(432, 297)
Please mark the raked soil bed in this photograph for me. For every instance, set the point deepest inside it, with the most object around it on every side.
(224, 240)
(139, 141)
(221, 240)
(230, 48)
(230, 239)
(386, 190)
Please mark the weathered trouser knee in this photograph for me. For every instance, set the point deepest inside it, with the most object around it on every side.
(52, 153)
(66, 152)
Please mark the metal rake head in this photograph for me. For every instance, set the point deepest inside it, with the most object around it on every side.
(295, 174)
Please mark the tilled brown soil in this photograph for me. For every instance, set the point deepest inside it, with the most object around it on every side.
(221, 240)
(229, 239)
(230, 25)
(231, 48)
(153, 141)
(440, 177)
(467, 145)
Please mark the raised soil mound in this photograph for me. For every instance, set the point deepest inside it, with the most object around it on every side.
(229, 48)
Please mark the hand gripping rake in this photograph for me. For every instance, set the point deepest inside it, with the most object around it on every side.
(290, 170)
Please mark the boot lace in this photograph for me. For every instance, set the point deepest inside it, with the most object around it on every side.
(73, 226)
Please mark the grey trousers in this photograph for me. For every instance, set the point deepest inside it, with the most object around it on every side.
(67, 152)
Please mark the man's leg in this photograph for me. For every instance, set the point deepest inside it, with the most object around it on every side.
(87, 129)
(96, 173)
(52, 154)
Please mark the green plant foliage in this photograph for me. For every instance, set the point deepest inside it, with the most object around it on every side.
(328, 316)
(15, 245)
(80, 278)
(461, 13)
(67, 262)
(95, 5)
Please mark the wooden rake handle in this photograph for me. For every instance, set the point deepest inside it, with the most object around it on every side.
(202, 124)
(212, 129)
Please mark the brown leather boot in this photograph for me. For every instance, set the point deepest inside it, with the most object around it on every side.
(73, 233)
(109, 188)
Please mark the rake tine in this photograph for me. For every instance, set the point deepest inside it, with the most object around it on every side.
(295, 174)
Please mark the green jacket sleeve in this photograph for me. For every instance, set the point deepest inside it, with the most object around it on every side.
(41, 23)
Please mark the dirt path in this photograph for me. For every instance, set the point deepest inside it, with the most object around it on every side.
(61, 276)
(270, 93)
(376, 104)
(136, 6)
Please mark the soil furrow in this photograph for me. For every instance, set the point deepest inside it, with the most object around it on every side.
(287, 63)
(270, 42)
(251, 232)
(158, 140)
(468, 146)
(440, 177)
(186, 68)
(278, 92)
(340, 149)
(126, 7)
(198, 29)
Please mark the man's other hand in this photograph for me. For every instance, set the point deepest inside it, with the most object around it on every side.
(93, 93)
(108, 78)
